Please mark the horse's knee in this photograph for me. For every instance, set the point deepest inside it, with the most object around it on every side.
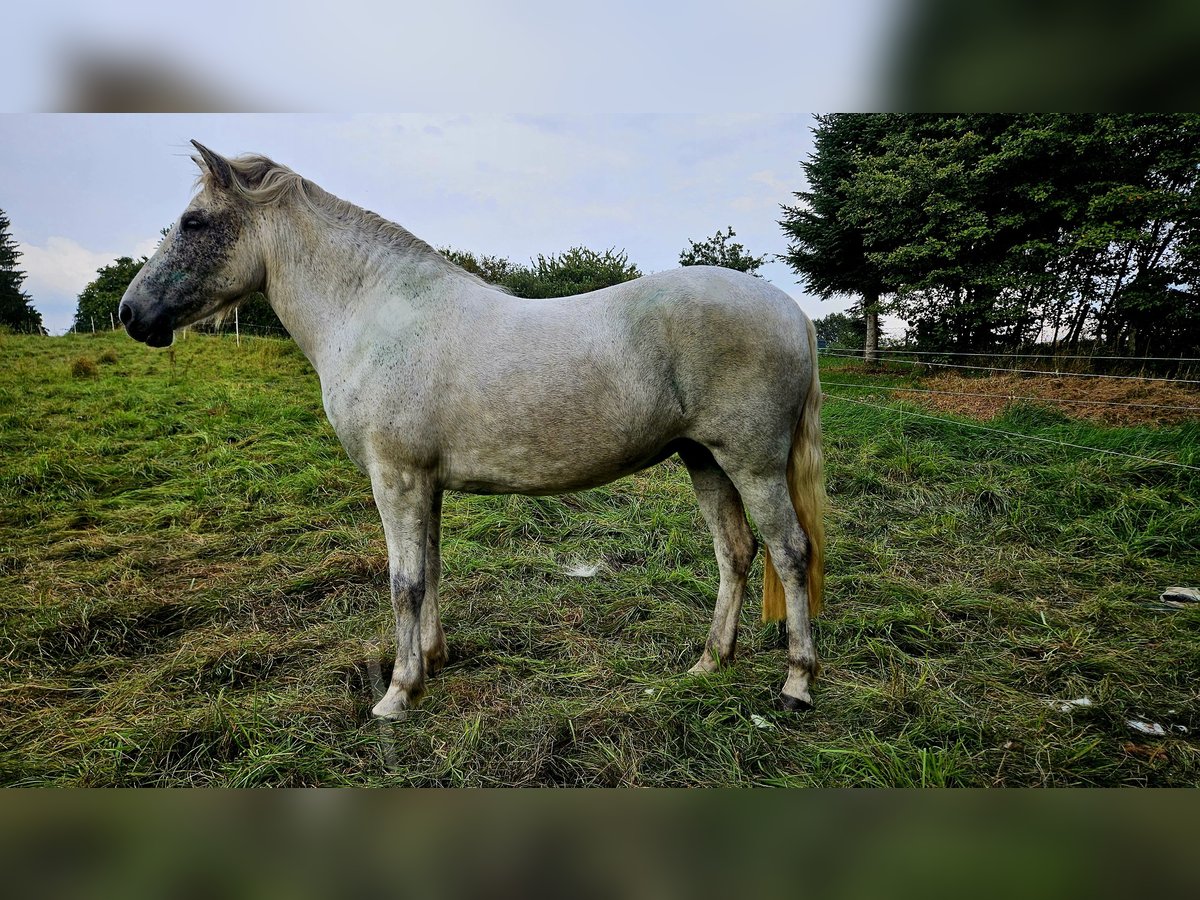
(408, 594)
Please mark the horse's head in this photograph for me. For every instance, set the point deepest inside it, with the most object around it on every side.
(209, 260)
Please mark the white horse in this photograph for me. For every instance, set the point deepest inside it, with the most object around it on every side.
(435, 381)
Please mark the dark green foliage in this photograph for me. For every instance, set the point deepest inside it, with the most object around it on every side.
(16, 307)
(825, 248)
(492, 269)
(98, 301)
(576, 271)
(719, 251)
(989, 231)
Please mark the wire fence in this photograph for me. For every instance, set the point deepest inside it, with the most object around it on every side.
(1058, 373)
(1019, 434)
(1012, 397)
(892, 355)
(997, 354)
(231, 328)
(235, 329)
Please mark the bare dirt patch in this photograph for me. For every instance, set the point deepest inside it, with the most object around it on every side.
(1101, 400)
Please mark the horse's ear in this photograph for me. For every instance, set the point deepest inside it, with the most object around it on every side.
(217, 165)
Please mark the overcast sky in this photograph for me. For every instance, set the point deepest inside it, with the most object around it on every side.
(82, 190)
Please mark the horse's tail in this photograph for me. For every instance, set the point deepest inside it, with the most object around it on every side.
(806, 485)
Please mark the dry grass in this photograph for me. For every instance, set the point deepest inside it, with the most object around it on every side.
(83, 367)
(1106, 401)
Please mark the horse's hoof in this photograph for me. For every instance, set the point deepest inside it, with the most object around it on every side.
(795, 704)
(392, 714)
(394, 706)
(709, 662)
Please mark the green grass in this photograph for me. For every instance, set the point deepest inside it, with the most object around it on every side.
(193, 592)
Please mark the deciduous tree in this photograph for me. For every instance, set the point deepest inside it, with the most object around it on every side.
(721, 250)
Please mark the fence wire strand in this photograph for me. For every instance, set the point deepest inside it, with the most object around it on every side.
(1044, 372)
(1003, 353)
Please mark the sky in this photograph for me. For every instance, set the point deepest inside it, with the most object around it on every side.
(82, 190)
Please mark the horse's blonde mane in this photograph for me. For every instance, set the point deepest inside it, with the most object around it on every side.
(260, 180)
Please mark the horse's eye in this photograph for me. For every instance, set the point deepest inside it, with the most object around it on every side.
(192, 223)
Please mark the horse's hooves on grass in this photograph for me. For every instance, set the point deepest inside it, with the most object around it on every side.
(395, 704)
(795, 704)
(392, 715)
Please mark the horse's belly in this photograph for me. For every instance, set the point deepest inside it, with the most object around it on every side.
(540, 470)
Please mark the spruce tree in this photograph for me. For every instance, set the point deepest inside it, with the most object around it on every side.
(16, 307)
(825, 249)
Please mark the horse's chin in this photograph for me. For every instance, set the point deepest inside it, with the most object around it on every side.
(157, 335)
(162, 333)
(160, 338)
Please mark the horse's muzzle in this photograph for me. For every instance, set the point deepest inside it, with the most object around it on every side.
(154, 331)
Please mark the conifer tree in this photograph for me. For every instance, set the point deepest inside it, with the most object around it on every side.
(16, 307)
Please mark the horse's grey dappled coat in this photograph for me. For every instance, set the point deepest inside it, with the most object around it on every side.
(435, 380)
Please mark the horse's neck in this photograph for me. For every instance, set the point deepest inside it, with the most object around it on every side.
(325, 284)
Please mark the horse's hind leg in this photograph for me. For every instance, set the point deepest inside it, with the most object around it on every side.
(433, 639)
(770, 505)
(735, 547)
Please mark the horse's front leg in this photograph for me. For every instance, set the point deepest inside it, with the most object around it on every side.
(404, 499)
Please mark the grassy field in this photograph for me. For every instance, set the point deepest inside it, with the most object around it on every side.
(193, 592)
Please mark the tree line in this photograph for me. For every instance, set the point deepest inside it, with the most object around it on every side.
(1001, 232)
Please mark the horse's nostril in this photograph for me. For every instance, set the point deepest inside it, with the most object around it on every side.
(125, 314)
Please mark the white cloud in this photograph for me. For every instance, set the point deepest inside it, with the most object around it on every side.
(62, 266)
(57, 272)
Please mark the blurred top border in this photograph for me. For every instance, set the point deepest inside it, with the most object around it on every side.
(542, 56)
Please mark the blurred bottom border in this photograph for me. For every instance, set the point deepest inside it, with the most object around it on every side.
(652, 844)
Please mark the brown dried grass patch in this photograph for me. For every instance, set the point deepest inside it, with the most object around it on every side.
(1106, 401)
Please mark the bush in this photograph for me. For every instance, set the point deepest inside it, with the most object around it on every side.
(576, 271)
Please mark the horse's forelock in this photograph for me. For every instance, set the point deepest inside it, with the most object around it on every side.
(255, 178)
